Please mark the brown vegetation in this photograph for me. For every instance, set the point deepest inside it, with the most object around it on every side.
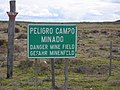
(93, 43)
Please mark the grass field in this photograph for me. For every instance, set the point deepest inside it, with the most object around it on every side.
(88, 71)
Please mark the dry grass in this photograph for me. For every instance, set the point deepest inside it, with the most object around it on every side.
(92, 51)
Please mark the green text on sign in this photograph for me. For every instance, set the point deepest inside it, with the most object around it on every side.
(52, 41)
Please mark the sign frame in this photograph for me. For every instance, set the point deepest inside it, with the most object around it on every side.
(52, 25)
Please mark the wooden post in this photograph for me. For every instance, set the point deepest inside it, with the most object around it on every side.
(66, 75)
(110, 68)
(11, 28)
(53, 73)
(36, 74)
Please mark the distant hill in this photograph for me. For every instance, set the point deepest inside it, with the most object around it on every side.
(118, 21)
(30, 22)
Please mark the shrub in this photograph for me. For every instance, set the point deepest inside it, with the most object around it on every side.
(94, 31)
(118, 34)
(104, 32)
(103, 48)
(115, 49)
(115, 83)
(3, 64)
(4, 29)
(25, 64)
(3, 42)
(59, 61)
(22, 36)
(17, 30)
(83, 69)
(43, 67)
(18, 48)
(25, 27)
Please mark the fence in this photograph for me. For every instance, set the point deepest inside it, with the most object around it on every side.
(88, 71)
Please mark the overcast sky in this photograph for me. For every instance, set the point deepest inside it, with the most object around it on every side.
(63, 10)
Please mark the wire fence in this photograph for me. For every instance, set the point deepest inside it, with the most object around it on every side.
(88, 71)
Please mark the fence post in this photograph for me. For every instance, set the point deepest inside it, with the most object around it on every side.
(110, 68)
(11, 28)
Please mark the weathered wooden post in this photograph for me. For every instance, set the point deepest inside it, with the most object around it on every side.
(110, 68)
(53, 73)
(11, 28)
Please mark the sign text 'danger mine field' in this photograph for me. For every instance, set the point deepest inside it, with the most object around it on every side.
(52, 41)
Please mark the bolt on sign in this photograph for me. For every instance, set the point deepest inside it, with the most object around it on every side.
(52, 41)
